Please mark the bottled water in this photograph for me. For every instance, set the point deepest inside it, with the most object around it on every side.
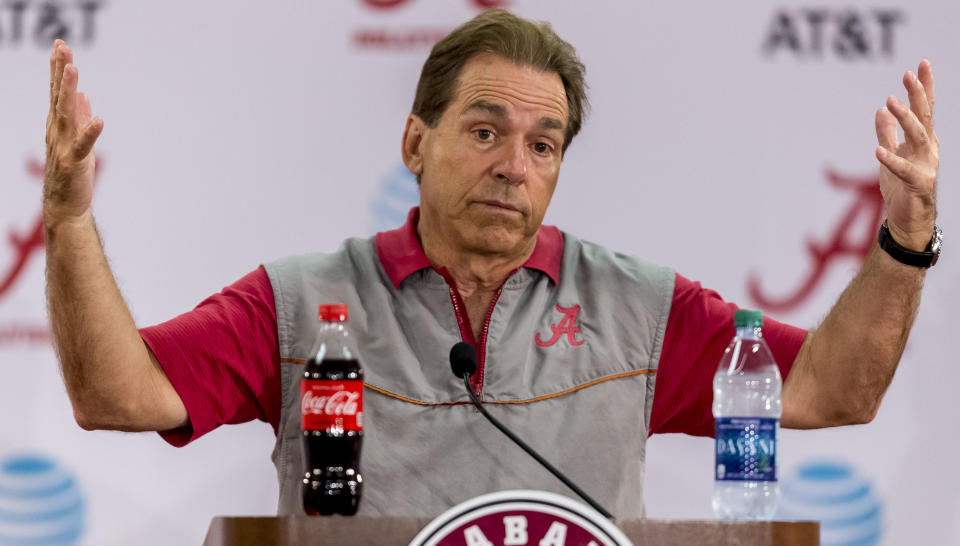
(747, 409)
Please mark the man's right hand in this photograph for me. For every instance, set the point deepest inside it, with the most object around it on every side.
(112, 378)
(71, 133)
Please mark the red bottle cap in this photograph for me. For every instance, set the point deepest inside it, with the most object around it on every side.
(333, 312)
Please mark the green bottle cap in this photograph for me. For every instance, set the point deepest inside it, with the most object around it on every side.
(748, 318)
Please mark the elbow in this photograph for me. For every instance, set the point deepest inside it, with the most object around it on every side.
(822, 414)
(91, 416)
(863, 409)
(84, 419)
(855, 414)
(866, 414)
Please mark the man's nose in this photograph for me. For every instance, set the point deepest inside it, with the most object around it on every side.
(512, 165)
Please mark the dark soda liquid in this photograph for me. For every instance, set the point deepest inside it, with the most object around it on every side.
(332, 483)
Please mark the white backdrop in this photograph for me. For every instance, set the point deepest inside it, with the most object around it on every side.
(232, 128)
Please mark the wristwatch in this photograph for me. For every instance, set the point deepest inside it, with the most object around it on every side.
(924, 259)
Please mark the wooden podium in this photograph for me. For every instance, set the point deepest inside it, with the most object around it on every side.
(339, 530)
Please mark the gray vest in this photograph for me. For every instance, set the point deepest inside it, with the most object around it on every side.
(583, 401)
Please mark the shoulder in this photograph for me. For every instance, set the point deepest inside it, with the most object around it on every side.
(356, 256)
(594, 263)
(630, 297)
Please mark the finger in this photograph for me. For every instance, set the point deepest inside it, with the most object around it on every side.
(83, 109)
(899, 166)
(925, 75)
(66, 102)
(63, 57)
(914, 131)
(918, 100)
(886, 129)
(53, 72)
(83, 145)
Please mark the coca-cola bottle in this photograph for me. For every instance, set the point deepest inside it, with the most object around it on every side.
(331, 411)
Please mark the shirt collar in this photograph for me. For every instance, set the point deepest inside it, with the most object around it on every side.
(401, 254)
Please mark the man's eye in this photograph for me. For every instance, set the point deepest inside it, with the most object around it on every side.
(541, 148)
(484, 134)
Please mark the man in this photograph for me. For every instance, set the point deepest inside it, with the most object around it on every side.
(583, 350)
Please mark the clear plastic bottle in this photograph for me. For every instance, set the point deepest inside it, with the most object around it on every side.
(747, 409)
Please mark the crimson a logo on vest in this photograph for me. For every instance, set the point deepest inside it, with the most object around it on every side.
(404, 33)
(566, 327)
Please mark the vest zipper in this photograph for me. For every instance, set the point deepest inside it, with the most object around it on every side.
(483, 342)
(466, 332)
(466, 329)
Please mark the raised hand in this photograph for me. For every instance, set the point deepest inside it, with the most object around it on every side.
(71, 133)
(908, 172)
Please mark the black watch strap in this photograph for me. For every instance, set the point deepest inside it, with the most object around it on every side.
(904, 255)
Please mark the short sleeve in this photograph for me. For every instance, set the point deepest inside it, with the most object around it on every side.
(223, 358)
(698, 330)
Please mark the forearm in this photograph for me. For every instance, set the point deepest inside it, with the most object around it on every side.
(112, 379)
(106, 366)
(846, 365)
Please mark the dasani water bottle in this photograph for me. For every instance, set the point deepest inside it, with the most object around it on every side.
(747, 409)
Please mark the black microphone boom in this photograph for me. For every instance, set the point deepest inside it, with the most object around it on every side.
(463, 362)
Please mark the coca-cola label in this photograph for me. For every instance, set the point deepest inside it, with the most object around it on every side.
(331, 405)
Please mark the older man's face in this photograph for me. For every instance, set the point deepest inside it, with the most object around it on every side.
(491, 164)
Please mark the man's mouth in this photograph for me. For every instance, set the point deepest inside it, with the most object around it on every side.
(500, 204)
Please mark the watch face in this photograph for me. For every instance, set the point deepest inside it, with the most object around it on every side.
(936, 244)
(937, 241)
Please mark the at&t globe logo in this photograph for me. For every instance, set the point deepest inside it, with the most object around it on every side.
(398, 193)
(833, 493)
(40, 502)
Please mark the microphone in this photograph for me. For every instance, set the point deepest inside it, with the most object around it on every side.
(463, 362)
(463, 359)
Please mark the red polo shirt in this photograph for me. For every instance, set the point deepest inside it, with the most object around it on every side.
(223, 357)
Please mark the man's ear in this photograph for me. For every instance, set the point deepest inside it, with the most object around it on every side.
(411, 148)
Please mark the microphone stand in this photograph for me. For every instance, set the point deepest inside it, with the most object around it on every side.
(531, 452)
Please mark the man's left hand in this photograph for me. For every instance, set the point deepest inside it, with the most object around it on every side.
(908, 171)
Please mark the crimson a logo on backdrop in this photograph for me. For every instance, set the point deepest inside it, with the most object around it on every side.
(45, 21)
(406, 38)
(24, 245)
(847, 34)
(864, 212)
